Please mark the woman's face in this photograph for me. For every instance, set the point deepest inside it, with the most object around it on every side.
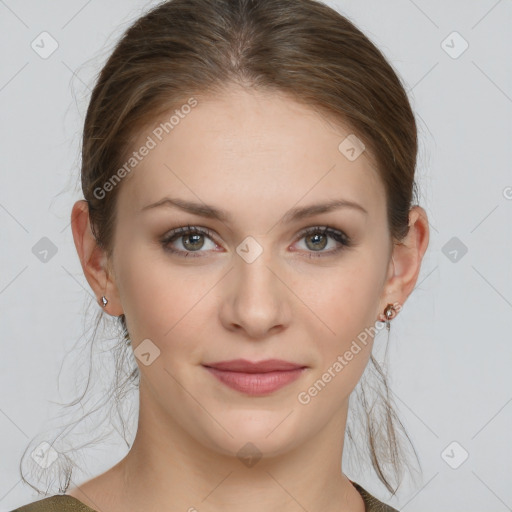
(257, 287)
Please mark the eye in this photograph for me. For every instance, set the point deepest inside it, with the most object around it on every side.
(317, 239)
(192, 240)
(190, 237)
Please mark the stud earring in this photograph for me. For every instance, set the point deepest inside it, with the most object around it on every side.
(389, 313)
(104, 301)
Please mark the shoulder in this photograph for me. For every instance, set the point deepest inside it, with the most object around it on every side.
(371, 503)
(57, 503)
(66, 503)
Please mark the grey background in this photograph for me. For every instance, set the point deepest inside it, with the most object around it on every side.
(450, 348)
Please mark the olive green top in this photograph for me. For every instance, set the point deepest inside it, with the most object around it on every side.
(66, 503)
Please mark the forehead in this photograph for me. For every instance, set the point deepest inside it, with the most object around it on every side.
(249, 148)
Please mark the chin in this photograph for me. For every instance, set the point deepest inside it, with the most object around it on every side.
(266, 436)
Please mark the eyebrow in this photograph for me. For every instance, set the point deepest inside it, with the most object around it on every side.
(292, 215)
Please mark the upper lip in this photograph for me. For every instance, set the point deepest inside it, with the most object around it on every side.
(245, 366)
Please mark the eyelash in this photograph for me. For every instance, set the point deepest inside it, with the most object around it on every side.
(337, 235)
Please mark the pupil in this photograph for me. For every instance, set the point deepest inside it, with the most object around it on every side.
(316, 237)
(195, 245)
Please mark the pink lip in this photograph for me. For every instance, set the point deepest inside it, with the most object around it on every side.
(255, 378)
(242, 365)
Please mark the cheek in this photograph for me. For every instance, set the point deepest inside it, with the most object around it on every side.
(345, 297)
(346, 305)
(343, 339)
(164, 302)
(151, 292)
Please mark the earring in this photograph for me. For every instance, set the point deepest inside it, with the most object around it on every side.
(104, 301)
(389, 313)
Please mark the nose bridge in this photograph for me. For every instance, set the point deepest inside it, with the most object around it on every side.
(258, 295)
(254, 263)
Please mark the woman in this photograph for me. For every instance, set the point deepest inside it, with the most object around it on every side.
(248, 173)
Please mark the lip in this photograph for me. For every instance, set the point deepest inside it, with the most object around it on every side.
(255, 378)
(245, 366)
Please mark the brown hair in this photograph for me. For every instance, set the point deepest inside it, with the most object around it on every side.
(188, 48)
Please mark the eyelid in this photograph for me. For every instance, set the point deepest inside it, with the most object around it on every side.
(339, 236)
(176, 233)
(329, 230)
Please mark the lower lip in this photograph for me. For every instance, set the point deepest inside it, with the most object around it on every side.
(256, 383)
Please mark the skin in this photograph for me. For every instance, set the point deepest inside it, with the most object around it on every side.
(256, 155)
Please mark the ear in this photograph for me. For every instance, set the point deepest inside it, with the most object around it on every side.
(405, 264)
(94, 262)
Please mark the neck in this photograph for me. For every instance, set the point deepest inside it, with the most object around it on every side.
(167, 468)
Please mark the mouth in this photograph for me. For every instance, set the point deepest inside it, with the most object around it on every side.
(255, 378)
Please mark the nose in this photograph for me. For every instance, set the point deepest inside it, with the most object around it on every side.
(256, 299)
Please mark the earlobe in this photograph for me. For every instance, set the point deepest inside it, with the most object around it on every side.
(109, 299)
(406, 258)
(93, 258)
